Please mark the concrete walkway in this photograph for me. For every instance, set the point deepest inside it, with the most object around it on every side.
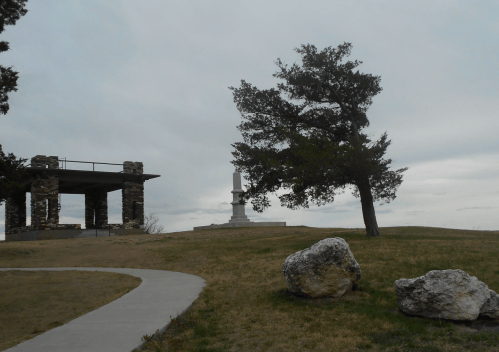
(120, 325)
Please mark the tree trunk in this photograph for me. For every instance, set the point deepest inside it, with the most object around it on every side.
(366, 199)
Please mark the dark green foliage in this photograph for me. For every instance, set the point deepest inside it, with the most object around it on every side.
(10, 12)
(11, 173)
(314, 147)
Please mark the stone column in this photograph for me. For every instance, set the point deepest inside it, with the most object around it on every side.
(48, 162)
(101, 210)
(133, 196)
(45, 194)
(238, 214)
(96, 210)
(89, 211)
(15, 212)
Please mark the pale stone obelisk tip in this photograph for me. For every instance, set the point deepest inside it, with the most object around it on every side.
(236, 180)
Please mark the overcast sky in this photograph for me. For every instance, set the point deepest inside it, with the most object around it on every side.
(111, 81)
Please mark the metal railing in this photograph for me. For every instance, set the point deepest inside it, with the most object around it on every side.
(63, 163)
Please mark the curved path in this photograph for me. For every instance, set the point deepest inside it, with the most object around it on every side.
(120, 325)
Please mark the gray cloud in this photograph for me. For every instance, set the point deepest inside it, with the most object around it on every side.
(476, 208)
(197, 211)
(414, 212)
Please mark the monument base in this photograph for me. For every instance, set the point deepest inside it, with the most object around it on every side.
(240, 224)
(235, 221)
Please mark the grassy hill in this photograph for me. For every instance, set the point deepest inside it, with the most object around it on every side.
(246, 307)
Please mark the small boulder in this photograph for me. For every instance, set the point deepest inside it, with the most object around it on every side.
(327, 269)
(445, 294)
(491, 307)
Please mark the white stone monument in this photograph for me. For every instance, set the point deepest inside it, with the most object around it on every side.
(238, 214)
(239, 218)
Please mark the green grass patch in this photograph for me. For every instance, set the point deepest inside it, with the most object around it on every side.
(246, 306)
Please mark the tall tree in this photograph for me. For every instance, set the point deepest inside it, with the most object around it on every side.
(10, 12)
(12, 171)
(307, 136)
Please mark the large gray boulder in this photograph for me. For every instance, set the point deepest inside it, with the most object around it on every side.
(491, 307)
(327, 269)
(446, 294)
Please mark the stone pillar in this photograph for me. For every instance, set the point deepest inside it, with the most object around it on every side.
(238, 214)
(89, 211)
(15, 212)
(96, 210)
(48, 162)
(45, 194)
(133, 196)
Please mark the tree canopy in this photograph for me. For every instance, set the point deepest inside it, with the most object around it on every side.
(12, 171)
(307, 136)
(10, 12)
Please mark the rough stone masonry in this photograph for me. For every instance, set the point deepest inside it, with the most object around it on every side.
(45, 181)
(133, 196)
(45, 194)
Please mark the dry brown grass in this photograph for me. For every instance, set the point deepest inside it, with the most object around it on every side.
(245, 305)
(34, 302)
